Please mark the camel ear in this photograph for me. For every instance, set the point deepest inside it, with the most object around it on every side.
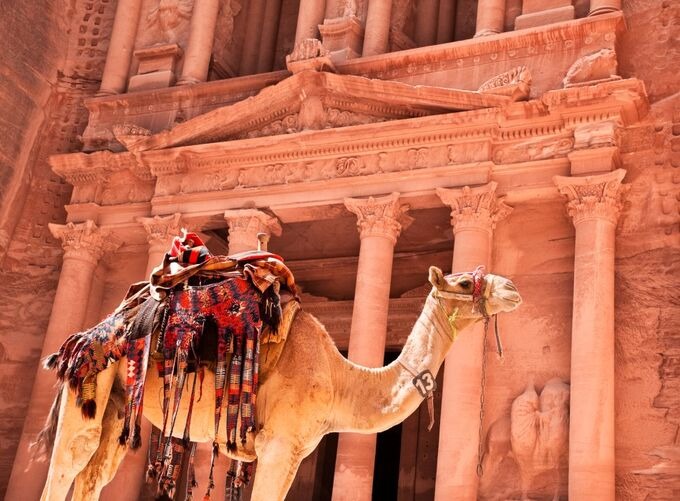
(437, 277)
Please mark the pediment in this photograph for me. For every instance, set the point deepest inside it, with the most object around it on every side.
(311, 100)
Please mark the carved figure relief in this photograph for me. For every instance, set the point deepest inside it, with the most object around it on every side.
(530, 445)
(224, 35)
(601, 65)
(534, 149)
(170, 19)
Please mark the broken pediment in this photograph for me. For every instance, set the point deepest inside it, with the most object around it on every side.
(312, 100)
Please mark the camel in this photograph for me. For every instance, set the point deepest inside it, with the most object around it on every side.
(307, 390)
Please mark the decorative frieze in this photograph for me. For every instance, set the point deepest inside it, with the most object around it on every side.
(477, 207)
(594, 196)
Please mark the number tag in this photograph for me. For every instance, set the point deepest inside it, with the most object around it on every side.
(425, 383)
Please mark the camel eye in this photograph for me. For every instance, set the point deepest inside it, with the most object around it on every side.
(465, 284)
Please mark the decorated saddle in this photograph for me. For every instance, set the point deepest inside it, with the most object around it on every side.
(164, 320)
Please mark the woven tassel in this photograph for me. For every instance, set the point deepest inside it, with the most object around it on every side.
(50, 362)
(88, 395)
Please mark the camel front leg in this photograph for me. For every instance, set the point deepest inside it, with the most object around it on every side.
(277, 463)
(104, 463)
(77, 439)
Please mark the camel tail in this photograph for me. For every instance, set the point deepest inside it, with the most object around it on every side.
(41, 449)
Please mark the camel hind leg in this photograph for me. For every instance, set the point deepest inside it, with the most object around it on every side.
(104, 463)
(76, 439)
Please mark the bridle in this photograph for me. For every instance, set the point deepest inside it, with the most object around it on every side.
(481, 291)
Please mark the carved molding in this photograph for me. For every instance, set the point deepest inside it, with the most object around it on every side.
(379, 217)
(593, 197)
(477, 208)
(83, 241)
(534, 149)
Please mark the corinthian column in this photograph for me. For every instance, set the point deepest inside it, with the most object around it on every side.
(84, 245)
(245, 224)
(594, 204)
(200, 45)
(474, 214)
(378, 220)
(490, 17)
(119, 55)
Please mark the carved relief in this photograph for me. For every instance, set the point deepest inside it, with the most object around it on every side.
(515, 83)
(161, 229)
(534, 438)
(309, 48)
(169, 19)
(124, 187)
(342, 118)
(287, 125)
(534, 149)
(417, 158)
(596, 135)
(601, 65)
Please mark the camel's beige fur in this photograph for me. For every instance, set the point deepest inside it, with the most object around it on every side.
(311, 391)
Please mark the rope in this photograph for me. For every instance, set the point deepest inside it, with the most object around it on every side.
(480, 446)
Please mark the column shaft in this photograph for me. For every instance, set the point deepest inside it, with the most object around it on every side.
(379, 227)
(446, 23)
(200, 45)
(594, 204)
(121, 46)
(426, 23)
(490, 17)
(251, 46)
(270, 31)
(83, 245)
(377, 34)
(310, 16)
(473, 216)
(603, 6)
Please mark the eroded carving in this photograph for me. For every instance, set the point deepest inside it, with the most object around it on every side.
(599, 66)
(474, 207)
(534, 149)
(84, 241)
(515, 83)
(534, 437)
(170, 18)
(129, 134)
(382, 216)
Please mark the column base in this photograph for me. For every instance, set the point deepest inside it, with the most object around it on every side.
(342, 37)
(485, 33)
(149, 81)
(545, 17)
(188, 81)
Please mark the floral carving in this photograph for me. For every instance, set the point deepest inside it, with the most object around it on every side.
(594, 196)
(515, 83)
(474, 207)
(83, 241)
(161, 229)
(383, 216)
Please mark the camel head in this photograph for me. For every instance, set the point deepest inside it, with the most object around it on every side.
(475, 294)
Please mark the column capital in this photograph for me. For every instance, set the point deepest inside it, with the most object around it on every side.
(252, 221)
(83, 241)
(477, 207)
(160, 229)
(379, 217)
(593, 197)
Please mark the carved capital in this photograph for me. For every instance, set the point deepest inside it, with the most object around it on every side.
(83, 241)
(379, 217)
(593, 197)
(478, 207)
(160, 230)
(245, 224)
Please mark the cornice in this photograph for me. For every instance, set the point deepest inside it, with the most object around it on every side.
(513, 45)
